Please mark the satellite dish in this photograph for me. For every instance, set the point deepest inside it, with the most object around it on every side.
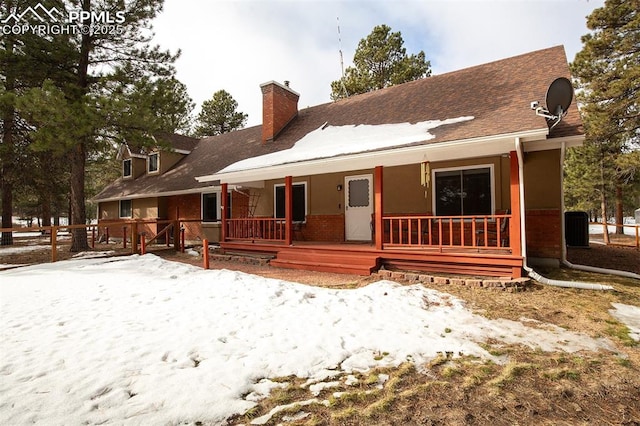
(559, 96)
(558, 99)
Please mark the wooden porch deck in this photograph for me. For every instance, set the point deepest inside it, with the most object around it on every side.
(364, 258)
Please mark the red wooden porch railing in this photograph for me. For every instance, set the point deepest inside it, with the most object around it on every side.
(256, 228)
(491, 231)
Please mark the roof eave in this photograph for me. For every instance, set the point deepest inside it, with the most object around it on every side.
(155, 194)
(458, 149)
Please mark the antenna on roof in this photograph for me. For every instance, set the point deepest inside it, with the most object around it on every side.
(558, 99)
(344, 89)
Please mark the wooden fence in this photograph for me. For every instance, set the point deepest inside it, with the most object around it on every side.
(131, 230)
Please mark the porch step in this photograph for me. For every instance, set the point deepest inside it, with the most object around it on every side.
(341, 262)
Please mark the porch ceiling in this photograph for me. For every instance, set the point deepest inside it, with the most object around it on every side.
(469, 148)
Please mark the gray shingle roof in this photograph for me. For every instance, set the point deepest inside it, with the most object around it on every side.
(498, 95)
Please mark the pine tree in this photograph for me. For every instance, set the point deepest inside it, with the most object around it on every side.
(219, 115)
(607, 69)
(86, 112)
(26, 60)
(380, 61)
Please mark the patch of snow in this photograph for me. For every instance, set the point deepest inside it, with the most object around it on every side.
(262, 389)
(351, 380)
(141, 340)
(192, 252)
(382, 379)
(331, 141)
(629, 315)
(264, 419)
(296, 417)
(92, 254)
(319, 387)
(6, 250)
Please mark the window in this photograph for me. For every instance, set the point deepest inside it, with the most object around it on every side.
(299, 201)
(125, 208)
(463, 191)
(153, 162)
(126, 167)
(211, 207)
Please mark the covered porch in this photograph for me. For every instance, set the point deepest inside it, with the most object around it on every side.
(472, 244)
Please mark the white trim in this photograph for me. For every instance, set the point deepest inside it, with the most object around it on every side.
(306, 197)
(554, 143)
(470, 167)
(218, 205)
(157, 170)
(452, 150)
(130, 175)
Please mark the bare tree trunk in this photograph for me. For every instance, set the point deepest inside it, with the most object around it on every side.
(603, 207)
(619, 210)
(6, 153)
(79, 240)
(45, 202)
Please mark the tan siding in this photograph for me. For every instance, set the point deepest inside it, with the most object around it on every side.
(145, 208)
(403, 192)
(168, 160)
(138, 167)
(109, 210)
(542, 180)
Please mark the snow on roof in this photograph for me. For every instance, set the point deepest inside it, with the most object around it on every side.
(331, 141)
(128, 340)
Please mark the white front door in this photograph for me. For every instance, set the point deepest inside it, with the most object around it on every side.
(358, 207)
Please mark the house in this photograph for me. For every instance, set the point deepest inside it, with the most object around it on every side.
(452, 173)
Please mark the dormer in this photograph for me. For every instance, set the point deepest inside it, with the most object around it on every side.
(168, 151)
(133, 163)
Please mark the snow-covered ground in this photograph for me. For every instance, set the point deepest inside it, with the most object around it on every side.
(140, 340)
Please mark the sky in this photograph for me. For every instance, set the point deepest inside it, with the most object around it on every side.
(141, 340)
(238, 45)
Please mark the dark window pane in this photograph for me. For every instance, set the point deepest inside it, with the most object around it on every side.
(448, 192)
(153, 163)
(210, 207)
(280, 202)
(359, 193)
(126, 167)
(299, 199)
(477, 192)
(125, 208)
(463, 192)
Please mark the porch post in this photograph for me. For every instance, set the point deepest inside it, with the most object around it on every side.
(223, 219)
(288, 210)
(377, 206)
(515, 228)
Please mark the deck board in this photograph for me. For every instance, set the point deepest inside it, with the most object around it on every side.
(364, 258)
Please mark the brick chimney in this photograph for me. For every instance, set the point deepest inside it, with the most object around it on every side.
(279, 107)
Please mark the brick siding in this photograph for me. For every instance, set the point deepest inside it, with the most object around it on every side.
(544, 233)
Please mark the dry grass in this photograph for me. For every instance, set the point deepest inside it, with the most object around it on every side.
(532, 388)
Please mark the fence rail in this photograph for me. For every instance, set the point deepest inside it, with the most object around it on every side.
(629, 239)
(133, 232)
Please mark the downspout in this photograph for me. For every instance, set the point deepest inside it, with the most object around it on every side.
(530, 271)
(565, 262)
